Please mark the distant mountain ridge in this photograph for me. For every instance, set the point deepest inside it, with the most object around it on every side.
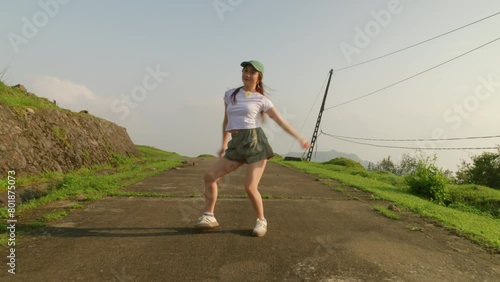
(326, 156)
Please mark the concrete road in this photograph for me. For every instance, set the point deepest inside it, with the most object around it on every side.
(315, 234)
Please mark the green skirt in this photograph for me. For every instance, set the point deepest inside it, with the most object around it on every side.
(248, 146)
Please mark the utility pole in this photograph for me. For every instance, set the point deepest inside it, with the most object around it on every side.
(316, 129)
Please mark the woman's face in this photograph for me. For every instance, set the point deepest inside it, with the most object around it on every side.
(250, 76)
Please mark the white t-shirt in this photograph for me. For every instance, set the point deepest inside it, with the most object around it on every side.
(245, 113)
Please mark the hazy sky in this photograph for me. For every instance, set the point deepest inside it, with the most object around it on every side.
(160, 68)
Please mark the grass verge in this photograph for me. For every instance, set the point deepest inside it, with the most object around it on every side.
(482, 229)
(95, 183)
(385, 212)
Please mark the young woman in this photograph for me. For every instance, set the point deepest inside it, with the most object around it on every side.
(244, 108)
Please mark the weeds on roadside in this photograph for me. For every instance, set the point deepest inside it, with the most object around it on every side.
(389, 187)
(89, 184)
(385, 212)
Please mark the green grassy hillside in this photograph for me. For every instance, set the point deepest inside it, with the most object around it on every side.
(17, 98)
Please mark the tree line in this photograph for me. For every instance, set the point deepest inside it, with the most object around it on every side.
(483, 169)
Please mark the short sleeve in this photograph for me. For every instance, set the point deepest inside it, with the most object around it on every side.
(266, 104)
(226, 96)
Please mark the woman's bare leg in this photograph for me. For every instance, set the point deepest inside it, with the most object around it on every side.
(253, 176)
(219, 169)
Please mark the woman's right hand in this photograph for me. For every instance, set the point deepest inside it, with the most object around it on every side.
(304, 143)
(222, 151)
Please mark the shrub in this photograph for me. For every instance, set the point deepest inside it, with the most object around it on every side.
(407, 165)
(428, 181)
(117, 160)
(482, 199)
(484, 170)
(387, 165)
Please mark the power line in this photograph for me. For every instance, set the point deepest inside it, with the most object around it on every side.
(419, 43)
(411, 148)
(413, 140)
(415, 75)
(314, 103)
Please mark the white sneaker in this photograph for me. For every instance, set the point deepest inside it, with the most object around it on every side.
(206, 222)
(260, 228)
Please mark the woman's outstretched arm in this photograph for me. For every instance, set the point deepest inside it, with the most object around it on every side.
(275, 115)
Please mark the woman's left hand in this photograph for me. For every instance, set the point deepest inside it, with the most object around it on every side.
(304, 143)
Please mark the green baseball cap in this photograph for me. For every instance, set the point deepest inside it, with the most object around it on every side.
(256, 64)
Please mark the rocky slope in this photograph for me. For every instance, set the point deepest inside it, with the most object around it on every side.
(36, 138)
